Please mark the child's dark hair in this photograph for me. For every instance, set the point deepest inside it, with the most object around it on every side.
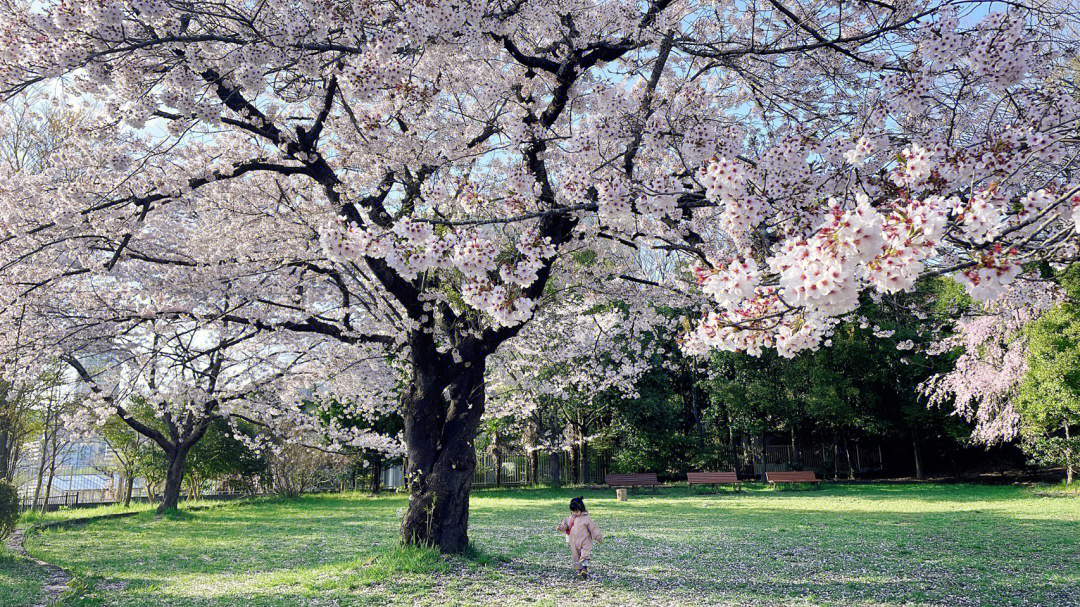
(577, 505)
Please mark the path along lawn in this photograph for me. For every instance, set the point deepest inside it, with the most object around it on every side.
(841, 545)
(20, 579)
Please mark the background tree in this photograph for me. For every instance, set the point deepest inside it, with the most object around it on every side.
(9, 508)
(127, 447)
(224, 453)
(53, 413)
(34, 129)
(296, 469)
(495, 439)
(17, 402)
(1048, 398)
(381, 422)
(982, 383)
(171, 380)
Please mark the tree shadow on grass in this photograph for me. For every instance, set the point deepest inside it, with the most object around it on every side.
(177, 515)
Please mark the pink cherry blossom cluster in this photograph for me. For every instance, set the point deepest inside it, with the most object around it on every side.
(615, 205)
(731, 284)
(725, 182)
(991, 275)
(1004, 51)
(821, 273)
(981, 385)
(983, 214)
(763, 321)
(857, 155)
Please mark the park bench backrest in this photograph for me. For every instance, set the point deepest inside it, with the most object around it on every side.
(711, 478)
(802, 476)
(631, 480)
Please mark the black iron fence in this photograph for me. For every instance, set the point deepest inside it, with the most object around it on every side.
(75, 500)
(86, 494)
(516, 469)
(54, 502)
(836, 459)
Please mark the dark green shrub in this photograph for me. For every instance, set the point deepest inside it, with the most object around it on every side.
(9, 509)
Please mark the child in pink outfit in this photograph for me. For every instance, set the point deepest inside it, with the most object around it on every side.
(581, 531)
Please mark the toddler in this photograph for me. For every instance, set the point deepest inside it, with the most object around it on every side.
(581, 531)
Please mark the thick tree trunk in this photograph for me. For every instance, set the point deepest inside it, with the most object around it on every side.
(174, 478)
(128, 490)
(556, 468)
(376, 476)
(534, 463)
(439, 438)
(575, 458)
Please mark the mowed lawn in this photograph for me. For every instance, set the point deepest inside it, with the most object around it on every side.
(20, 579)
(840, 545)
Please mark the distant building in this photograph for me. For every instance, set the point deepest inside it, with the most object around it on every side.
(85, 466)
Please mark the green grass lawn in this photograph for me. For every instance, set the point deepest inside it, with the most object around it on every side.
(841, 545)
(20, 579)
(63, 514)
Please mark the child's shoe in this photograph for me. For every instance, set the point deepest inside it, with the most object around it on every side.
(584, 573)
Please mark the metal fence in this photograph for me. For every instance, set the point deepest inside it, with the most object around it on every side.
(66, 500)
(516, 470)
(824, 459)
(75, 494)
(77, 500)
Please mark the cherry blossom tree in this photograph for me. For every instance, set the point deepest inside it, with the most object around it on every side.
(405, 181)
(169, 380)
(983, 384)
(1048, 403)
(552, 381)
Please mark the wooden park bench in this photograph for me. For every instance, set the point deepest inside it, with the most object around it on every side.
(646, 479)
(714, 478)
(801, 476)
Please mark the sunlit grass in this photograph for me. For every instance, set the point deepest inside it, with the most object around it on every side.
(841, 545)
(1062, 489)
(33, 517)
(20, 579)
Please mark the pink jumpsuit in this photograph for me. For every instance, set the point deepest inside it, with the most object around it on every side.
(583, 532)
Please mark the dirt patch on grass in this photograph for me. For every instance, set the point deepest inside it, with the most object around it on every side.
(56, 581)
